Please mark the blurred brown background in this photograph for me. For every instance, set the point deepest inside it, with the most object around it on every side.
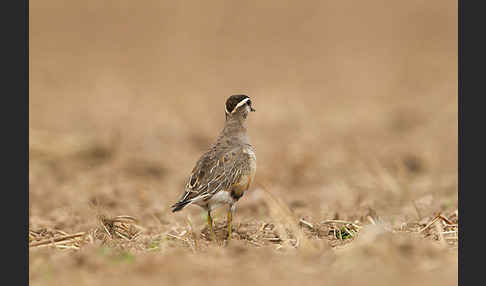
(356, 107)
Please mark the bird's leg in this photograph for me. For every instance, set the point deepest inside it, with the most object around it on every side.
(210, 223)
(230, 218)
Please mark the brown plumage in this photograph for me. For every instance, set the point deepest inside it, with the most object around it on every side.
(226, 170)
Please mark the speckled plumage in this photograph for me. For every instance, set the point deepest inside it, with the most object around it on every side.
(226, 170)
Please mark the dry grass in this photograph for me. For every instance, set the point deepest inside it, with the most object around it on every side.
(115, 231)
(416, 253)
(355, 133)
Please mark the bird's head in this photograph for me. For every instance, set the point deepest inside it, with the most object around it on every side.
(238, 106)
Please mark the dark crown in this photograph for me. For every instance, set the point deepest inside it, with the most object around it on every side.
(233, 100)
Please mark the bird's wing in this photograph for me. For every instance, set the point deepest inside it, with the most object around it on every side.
(214, 171)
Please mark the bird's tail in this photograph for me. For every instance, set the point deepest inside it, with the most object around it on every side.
(179, 205)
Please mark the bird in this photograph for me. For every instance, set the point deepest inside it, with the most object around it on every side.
(225, 171)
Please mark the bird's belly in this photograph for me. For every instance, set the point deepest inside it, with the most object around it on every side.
(219, 199)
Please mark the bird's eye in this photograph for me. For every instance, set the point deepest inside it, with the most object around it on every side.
(249, 102)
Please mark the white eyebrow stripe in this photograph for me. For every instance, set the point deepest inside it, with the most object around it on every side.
(240, 104)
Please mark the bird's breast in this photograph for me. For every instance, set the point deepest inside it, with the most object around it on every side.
(251, 162)
(247, 176)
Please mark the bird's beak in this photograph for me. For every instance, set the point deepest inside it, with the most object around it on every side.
(252, 109)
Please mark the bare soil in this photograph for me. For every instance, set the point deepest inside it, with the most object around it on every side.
(355, 133)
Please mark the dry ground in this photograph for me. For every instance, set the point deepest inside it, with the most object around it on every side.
(355, 132)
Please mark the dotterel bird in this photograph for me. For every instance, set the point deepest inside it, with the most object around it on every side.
(223, 174)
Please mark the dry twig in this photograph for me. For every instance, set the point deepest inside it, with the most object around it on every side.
(54, 240)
